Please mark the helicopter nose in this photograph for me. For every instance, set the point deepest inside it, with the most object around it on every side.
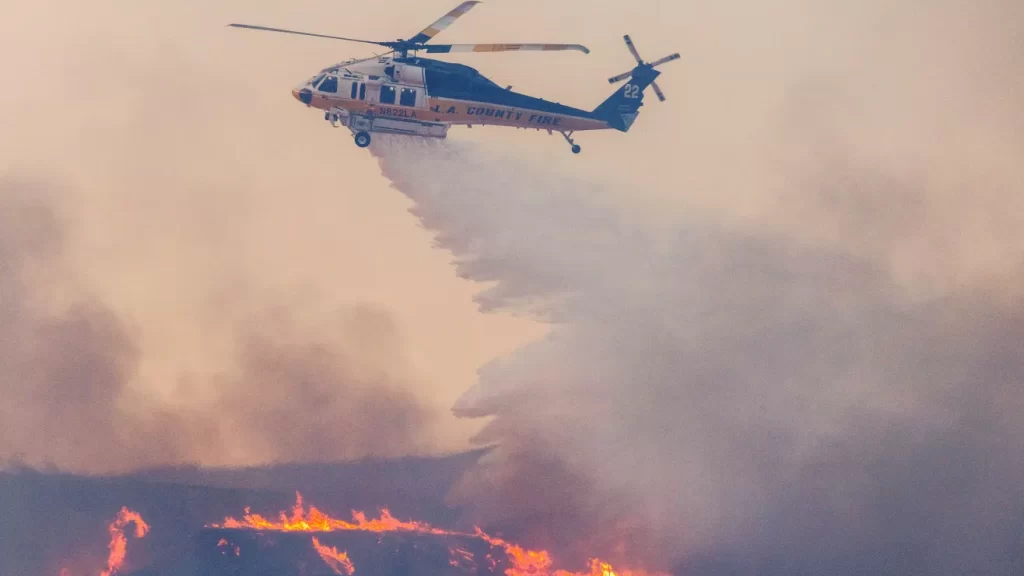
(304, 95)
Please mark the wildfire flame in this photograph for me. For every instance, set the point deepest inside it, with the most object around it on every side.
(338, 561)
(118, 541)
(523, 562)
(317, 521)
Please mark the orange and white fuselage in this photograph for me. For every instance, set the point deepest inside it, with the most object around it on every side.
(424, 97)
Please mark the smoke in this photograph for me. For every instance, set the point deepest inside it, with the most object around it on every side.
(62, 371)
(331, 406)
(70, 374)
(164, 302)
(714, 394)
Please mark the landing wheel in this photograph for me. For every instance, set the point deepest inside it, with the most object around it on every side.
(362, 139)
(568, 138)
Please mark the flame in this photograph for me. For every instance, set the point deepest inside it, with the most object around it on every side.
(119, 542)
(522, 561)
(338, 561)
(599, 568)
(317, 521)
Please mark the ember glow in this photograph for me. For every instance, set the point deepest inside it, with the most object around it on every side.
(522, 561)
(229, 546)
(461, 558)
(338, 561)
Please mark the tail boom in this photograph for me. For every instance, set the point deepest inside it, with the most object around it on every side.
(620, 110)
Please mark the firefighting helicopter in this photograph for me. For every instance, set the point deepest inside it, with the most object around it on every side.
(399, 93)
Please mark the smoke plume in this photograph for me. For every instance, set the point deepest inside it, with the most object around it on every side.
(71, 380)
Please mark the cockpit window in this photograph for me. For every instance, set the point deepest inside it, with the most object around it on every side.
(317, 80)
(330, 84)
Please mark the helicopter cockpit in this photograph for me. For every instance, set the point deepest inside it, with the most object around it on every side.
(324, 82)
(327, 83)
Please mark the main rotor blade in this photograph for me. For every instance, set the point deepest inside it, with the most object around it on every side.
(658, 91)
(445, 48)
(632, 49)
(264, 28)
(666, 59)
(444, 22)
(620, 77)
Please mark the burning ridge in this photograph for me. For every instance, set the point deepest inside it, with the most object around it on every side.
(519, 561)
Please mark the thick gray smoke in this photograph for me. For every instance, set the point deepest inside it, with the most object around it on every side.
(69, 374)
(718, 395)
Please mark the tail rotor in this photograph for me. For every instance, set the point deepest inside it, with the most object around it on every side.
(643, 65)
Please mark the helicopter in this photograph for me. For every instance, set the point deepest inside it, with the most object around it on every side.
(400, 92)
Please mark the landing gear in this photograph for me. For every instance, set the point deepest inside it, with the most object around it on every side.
(568, 138)
(362, 139)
